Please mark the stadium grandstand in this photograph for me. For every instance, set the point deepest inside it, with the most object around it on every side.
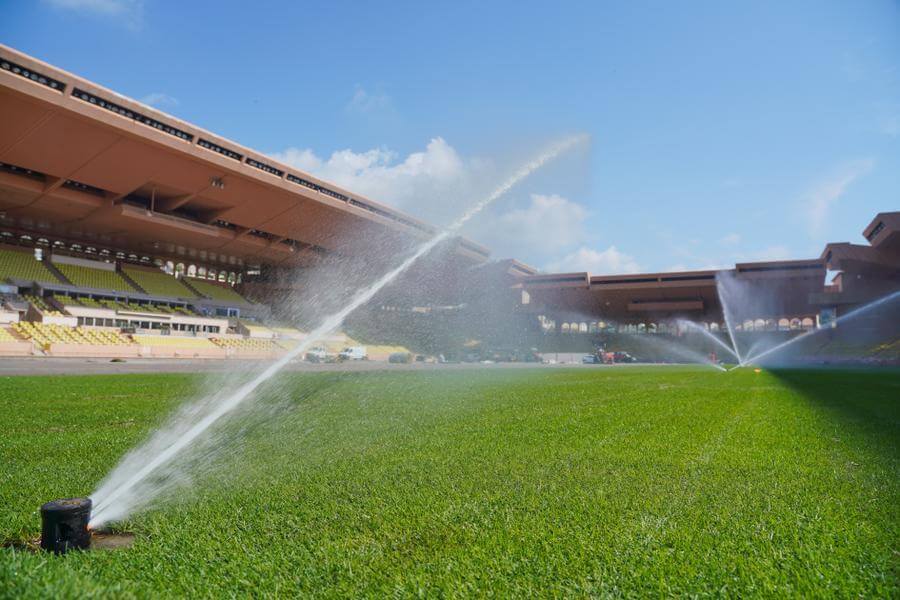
(115, 216)
(152, 281)
(125, 231)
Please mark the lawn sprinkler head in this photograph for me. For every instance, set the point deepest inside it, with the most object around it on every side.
(64, 525)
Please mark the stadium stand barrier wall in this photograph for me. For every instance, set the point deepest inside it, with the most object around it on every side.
(11, 345)
(172, 346)
(93, 351)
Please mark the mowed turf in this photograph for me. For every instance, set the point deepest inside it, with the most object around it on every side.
(549, 481)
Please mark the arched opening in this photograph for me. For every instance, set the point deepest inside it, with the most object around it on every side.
(783, 324)
(192, 271)
(807, 323)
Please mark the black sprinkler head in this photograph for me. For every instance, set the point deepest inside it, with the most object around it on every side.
(64, 525)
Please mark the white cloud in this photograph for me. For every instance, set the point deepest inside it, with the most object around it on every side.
(608, 262)
(819, 201)
(130, 11)
(437, 184)
(159, 100)
(428, 184)
(549, 223)
(366, 102)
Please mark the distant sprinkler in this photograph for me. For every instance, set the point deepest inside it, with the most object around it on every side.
(64, 525)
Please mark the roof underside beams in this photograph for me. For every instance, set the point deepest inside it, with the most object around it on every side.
(78, 154)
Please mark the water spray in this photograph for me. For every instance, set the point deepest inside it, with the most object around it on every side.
(726, 312)
(853, 313)
(696, 327)
(115, 498)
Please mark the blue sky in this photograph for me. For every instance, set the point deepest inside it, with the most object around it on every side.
(721, 131)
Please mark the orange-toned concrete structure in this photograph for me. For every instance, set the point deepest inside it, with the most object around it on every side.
(99, 194)
(83, 164)
(793, 289)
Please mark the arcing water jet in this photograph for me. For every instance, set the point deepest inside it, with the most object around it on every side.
(695, 327)
(116, 497)
(853, 313)
(726, 312)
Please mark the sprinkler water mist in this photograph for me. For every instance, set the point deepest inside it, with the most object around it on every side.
(64, 525)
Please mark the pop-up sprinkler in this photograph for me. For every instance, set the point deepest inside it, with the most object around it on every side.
(64, 525)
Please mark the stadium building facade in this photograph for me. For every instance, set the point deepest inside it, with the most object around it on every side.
(119, 222)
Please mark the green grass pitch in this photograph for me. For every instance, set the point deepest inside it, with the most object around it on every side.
(512, 482)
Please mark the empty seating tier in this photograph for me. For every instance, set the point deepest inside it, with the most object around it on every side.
(94, 278)
(45, 334)
(159, 283)
(105, 303)
(6, 336)
(41, 305)
(216, 292)
(23, 265)
(64, 300)
(90, 303)
(251, 344)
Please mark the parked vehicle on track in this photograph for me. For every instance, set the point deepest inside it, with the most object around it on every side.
(317, 354)
(353, 353)
(400, 358)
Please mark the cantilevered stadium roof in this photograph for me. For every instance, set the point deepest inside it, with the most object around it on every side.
(80, 162)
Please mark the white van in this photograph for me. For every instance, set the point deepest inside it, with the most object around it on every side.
(354, 353)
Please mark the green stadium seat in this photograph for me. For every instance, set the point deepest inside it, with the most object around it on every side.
(216, 292)
(16, 264)
(159, 283)
(94, 278)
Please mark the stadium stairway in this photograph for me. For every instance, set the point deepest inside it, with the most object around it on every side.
(187, 283)
(124, 274)
(56, 272)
